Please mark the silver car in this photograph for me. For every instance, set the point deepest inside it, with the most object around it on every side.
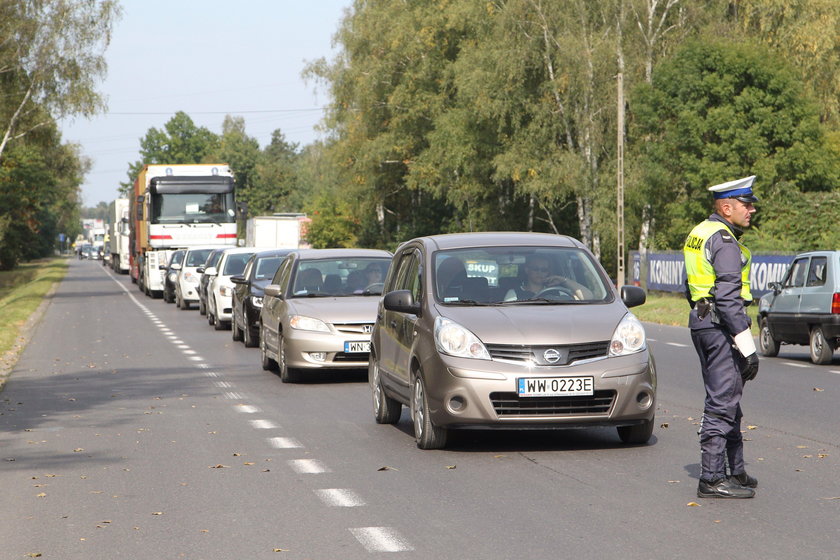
(319, 310)
(508, 330)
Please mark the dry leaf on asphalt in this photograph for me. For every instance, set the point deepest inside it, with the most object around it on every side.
(386, 468)
(693, 504)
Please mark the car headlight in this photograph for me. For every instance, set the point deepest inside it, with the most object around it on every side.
(303, 323)
(256, 301)
(225, 290)
(453, 339)
(190, 277)
(629, 337)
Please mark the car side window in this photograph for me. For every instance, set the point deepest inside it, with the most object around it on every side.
(397, 281)
(816, 272)
(248, 267)
(796, 276)
(411, 281)
(282, 274)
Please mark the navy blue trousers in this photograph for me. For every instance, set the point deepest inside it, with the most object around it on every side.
(720, 430)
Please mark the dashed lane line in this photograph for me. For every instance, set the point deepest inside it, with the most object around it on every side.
(339, 497)
(308, 466)
(381, 539)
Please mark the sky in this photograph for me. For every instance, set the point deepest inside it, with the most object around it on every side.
(207, 58)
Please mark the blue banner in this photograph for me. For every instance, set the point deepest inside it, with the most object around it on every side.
(666, 271)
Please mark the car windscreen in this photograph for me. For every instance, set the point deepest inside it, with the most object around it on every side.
(339, 277)
(515, 275)
(197, 257)
(235, 263)
(266, 267)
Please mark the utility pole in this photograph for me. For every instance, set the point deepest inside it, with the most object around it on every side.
(619, 280)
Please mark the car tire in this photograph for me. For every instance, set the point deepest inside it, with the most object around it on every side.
(385, 409)
(287, 374)
(267, 363)
(637, 433)
(426, 434)
(251, 340)
(210, 319)
(184, 304)
(202, 307)
(821, 349)
(767, 345)
(235, 333)
(218, 324)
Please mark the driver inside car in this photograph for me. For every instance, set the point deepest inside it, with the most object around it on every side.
(538, 278)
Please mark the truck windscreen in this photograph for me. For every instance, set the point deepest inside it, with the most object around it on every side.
(192, 208)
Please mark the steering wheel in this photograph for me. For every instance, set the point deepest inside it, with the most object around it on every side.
(375, 288)
(560, 293)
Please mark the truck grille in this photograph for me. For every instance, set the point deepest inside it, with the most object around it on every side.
(566, 353)
(510, 404)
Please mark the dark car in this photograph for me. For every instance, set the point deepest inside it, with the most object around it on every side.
(248, 294)
(465, 339)
(170, 275)
(212, 260)
(804, 308)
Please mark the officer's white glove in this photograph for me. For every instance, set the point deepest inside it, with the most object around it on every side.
(745, 343)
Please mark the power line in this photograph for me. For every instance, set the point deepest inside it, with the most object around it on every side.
(220, 112)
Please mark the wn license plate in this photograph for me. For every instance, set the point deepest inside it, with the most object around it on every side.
(555, 386)
(357, 347)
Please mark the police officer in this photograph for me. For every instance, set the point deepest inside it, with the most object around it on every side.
(718, 287)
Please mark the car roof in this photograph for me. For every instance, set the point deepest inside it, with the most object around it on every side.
(496, 239)
(272, 253)
(340, 253)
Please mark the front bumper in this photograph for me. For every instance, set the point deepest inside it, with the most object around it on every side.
(303, 346)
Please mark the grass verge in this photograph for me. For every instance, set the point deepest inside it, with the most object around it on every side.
(672, 309)
(22, 290)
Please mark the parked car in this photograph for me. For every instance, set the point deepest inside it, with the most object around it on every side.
(186, 288)
(248, 294)
(212, 260)
(220, 287)
(170, 275)
(317, 312)
(462, 342)
(804, 308)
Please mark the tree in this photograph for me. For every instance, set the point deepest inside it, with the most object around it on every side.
(717, 111)
(51, 55)
(180, 142)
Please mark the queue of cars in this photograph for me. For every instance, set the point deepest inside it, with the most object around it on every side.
(450, 326)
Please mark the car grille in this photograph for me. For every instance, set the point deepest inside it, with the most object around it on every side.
(510, 404)
(354, 328)
(348, 357)
(566, 353)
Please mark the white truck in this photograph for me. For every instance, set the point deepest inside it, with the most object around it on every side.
(278, 231)
(118, 235)
(176, 207)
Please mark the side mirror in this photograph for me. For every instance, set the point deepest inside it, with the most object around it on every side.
(175, 266)
(633, 296)
(273, 290)
(775, 286)
(401, 301)
(209, 271)
(239, 279)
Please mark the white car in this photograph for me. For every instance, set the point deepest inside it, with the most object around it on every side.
(186, 288)
(220, 287)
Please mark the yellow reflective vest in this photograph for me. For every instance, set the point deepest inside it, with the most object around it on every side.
(698, 269)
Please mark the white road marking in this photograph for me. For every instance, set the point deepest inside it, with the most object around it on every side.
(188, 352)
(196, 358)
(222, 384)
(796, 364)
(247, 408)
(834, 371)
(677, 344)
(340, 497)
(183, 346)
(652, 339)
(381, 539)
(308, 466)
(210, 373)
(284, 443)
(234, 396)
(263, 424)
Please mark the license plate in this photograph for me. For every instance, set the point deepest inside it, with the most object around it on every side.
(555, 386)
(357, 347)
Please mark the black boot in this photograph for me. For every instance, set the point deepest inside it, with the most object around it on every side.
(744, 480)
(723, 488)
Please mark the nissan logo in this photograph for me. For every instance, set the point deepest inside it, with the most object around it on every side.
(551, 356)
(367, 329)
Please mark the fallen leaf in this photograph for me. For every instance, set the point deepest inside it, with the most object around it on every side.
(237, 454)
(693, 504)
(831, 498)
(663, 425)
(248, 464)
(822, 455)
(817, 389)
(34, 554)
(386, 468)
(450, 467)
(280, 550)
(219, 467)
(752, 427)
(673, 481)
(78, 450)
(807, 456)
(157, 513)
(41, 495)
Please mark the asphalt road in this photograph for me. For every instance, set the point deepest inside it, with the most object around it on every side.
(131, 429)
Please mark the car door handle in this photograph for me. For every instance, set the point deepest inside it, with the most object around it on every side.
(393, 324)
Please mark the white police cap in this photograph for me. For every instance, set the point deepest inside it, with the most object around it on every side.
(739, 188)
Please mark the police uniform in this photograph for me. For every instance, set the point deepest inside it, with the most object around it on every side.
(718, 287)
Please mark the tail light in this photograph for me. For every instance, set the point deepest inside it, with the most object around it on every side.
(835, 303)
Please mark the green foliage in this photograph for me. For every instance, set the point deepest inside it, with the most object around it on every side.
(718, 111)
(332, 224)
